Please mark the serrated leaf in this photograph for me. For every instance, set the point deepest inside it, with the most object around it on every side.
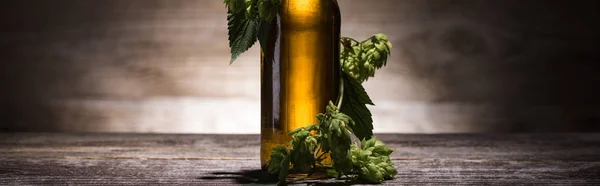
(263, 34)
(354, 105)
(242, 33)
(267, 11)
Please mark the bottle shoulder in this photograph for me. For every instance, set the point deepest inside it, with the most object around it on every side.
(309, 13)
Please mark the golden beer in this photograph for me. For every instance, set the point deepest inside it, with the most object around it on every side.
(299, 69)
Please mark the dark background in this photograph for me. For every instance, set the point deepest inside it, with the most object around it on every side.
(162, 66)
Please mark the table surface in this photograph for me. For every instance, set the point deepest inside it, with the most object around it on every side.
(203, 159)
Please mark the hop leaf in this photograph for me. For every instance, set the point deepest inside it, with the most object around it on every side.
(242, 33)
(245, 19)
(354, 101)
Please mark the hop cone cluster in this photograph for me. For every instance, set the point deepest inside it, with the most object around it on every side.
(361, 59)
(336, 137)
(372, 160)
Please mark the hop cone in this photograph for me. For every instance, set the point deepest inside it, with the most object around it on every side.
(361, 59)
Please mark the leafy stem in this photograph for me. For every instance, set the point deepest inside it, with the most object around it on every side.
(351, 39)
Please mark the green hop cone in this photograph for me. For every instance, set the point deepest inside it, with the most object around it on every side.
(376, 146)
(311, 143)
(361, 59)
(336, 137)
(303, 147)
(350, 58)
(382, 46)
(371, 173)
(251, 9)
(378, 49)
(390, 171)
(372, 161)
(277, 155)
(385, 166)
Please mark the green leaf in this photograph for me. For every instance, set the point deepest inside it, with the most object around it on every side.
(267, 9)
(242, 33)
(283, 173)
(263, 34)
(235, 6)
(354, 102)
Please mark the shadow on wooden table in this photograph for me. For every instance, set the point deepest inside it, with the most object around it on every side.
(243, 177)
(260, 177)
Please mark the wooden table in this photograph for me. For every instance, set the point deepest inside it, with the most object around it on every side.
(143, 159)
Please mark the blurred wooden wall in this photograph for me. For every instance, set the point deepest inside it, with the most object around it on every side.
(162, 66)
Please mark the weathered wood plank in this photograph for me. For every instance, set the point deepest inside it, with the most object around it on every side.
(140, 172)
(141, 159)
(580, 147)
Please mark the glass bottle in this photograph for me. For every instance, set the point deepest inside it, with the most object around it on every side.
(299, 69)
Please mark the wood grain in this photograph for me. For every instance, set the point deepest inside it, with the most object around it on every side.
(186, 159)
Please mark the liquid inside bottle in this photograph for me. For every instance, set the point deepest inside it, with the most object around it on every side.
(299, 69)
